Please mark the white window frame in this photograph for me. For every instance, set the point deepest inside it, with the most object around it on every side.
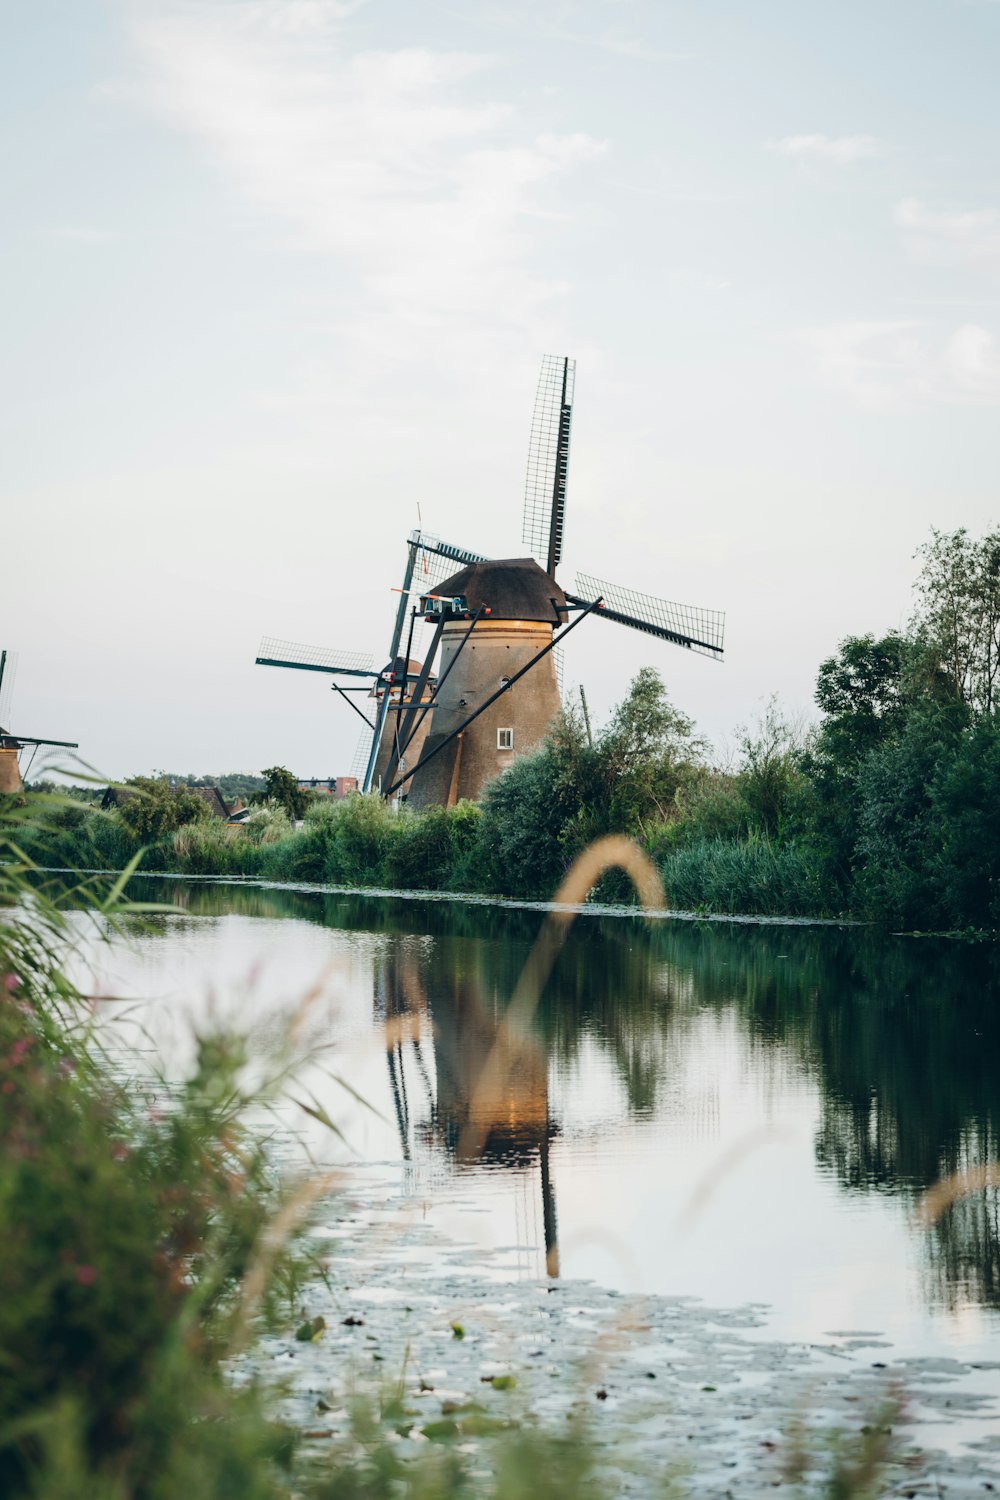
(505, 739)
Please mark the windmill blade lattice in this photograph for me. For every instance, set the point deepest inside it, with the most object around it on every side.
(700, 630)
(548, 461)
(8, 674)
(430, 569)
(361, 752)
(323, 658)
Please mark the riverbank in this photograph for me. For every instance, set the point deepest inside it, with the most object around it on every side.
(361, 843)
(662, 1386)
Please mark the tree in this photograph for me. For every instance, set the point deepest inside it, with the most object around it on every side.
(646, 753)
(862, 694)
(770, 771)
(958, 613)
(281, 788)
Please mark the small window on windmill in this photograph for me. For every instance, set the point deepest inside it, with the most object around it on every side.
(505, 739)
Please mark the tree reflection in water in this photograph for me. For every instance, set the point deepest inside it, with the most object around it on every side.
(899, 1035)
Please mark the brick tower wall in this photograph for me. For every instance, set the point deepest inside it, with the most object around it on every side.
(496, 649)
(10, 775)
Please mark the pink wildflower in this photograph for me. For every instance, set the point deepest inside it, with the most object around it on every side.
(86, 1275)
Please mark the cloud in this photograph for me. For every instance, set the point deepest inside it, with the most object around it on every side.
(838, 150)
(883, 366)
(951, 237)
(82, 234)
(390, 161)
(625, 44)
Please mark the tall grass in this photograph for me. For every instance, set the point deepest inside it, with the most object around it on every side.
(755, 876)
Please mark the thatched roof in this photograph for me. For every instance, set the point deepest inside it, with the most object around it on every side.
(514, 588)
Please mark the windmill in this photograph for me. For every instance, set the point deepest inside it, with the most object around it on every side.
(11, 745)
(494, 621)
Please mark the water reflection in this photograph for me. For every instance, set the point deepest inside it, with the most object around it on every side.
(491, 1099)
(899, 1036)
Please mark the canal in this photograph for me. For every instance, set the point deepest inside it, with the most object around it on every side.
(740, 1112)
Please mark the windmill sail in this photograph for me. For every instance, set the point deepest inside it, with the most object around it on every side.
(434, 560)
(700, 630)
(8, 672)
(548, 462)
(278, 653)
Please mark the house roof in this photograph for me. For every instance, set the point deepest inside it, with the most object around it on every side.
(210, 795)
(115, 796)
(513, 588)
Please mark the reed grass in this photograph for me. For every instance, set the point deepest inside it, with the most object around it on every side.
(757, 876)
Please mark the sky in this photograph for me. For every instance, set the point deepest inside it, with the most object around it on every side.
(277, 277)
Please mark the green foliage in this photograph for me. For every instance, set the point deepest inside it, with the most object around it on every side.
(150, 807)
(747, 875)
(644, 756)
(958, 613)
(861, 694)
(282, 789)
(549, 805)
(770, 781)
(425, 850)
(526, 813)
(363, 830)
(964, 856)
(209, 848)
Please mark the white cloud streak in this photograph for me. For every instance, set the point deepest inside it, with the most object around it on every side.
(883, 366)
(835, 150)
(377, 158)
(969, 237)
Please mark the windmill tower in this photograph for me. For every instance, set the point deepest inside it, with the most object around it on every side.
(11, 745)
(494, 622)
(515, 609)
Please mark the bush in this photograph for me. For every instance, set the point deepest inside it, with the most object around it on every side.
(362, 829)
(150, 807)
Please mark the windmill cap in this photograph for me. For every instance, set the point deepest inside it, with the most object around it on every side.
(513, 588)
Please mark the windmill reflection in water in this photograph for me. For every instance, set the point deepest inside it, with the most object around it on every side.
(484, 1088)
(492, 1095)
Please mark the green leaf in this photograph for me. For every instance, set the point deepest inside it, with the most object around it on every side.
(310, 1331)
(441, 1432)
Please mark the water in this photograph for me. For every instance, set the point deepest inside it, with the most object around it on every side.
(735, 1112)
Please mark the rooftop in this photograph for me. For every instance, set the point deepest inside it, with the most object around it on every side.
(513, 588)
